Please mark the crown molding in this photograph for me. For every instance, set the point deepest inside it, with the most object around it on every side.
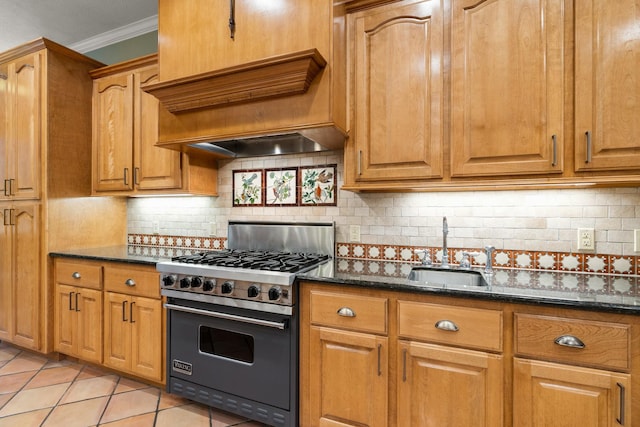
(126, 32)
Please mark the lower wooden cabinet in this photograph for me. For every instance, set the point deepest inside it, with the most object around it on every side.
(349, 378)
(132, 335)
(552, 394)
(446, 386)
(78, 322)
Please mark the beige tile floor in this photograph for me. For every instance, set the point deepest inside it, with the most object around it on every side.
(36, 391)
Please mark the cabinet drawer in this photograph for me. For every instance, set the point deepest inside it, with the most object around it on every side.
(79, 273)
(354, 312)
(605, 344)
(467, 327)
(132, 280)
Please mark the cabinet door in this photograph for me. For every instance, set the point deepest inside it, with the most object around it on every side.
(549, 394)
(27, 276)
(4, 117)
(507, 97)
(155, 168)
(113, 133)
(607, 85)
(24, 127)
(65, 321)
(443, 386)
(6, 269)
(89, 324)
(146, 338)
(349, 380)
(117, 331)
(397, 80)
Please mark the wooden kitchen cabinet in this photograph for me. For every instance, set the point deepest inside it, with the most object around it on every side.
(125, 131)
(348, 351)
(21, 275)
(551, 394)
(607, 89)
(45, 153)
(587, 386)
(78, 309)
(443, 384)
(133, 321)
(396, 72)
(20, 82)
(507, 87)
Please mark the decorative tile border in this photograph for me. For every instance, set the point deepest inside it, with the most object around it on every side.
(504, 258)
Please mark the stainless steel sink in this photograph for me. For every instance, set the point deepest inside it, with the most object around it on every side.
(446, 277)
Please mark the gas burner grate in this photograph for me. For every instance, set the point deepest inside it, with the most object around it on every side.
(255, 260)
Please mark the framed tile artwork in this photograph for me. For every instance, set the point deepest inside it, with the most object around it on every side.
(281, 187)
(247, 187)
(318, 185)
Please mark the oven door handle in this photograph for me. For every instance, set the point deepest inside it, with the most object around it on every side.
(226, 316)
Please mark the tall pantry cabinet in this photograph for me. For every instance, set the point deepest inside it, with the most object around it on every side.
(45, 170)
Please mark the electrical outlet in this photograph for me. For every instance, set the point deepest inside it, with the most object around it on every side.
(213, 228)
(354, 233)
(156, 227)
(586, 239)
(636, 240)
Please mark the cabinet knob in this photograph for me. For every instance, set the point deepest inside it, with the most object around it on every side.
(76, 275)
(346, 312)
(130, 282)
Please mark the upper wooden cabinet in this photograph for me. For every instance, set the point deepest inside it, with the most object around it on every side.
(507, 87)
(607, 85)
(397, 93)
(536, 94)
(125, 130)
(20, 139)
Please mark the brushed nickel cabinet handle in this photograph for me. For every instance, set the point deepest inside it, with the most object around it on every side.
(359, 162)
(6, 216)
(71, 301)
(12, 217)
(130, 282)
(447, 325)
(621, 391)
(124, 311)
(232, 19)
(404, 365)
(554, 140)
(76, 275)
(7, 191)
(77, 307)
(569, 341)
(131, 313)
(379, 362)
(135, 176)
(588, 135)
(126, 176)
(346, 312)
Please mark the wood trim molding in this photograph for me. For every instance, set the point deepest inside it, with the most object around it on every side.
(277, 76)
(130, 65)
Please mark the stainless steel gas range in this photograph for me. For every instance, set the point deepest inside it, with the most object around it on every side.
(232, 324)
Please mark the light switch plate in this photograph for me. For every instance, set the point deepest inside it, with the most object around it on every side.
(156, 227)
(213, 228)
(586, 239)
(354, 233)
(636, 240)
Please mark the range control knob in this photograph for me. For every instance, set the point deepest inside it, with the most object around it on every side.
(227, 287)
(196, 282)
(185, 282)
(168, 280)
(208, 285)
(253, 291)
(274, 293)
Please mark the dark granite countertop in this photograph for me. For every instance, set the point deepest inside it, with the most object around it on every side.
(601, 292)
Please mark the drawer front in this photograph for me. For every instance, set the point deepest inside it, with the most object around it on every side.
(79, 273)
(606, 345)
(132, 280)
(466, 327)
(353, 312)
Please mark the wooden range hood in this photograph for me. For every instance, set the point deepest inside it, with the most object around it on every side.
(235, 97)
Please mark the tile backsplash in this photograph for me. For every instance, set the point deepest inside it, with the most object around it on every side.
(520, 223)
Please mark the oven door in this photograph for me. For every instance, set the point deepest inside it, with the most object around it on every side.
(243, 352)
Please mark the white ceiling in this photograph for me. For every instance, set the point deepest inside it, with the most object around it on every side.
(83, 25)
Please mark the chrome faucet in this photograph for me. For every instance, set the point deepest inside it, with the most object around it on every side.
(445, 255)
(488, 269)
